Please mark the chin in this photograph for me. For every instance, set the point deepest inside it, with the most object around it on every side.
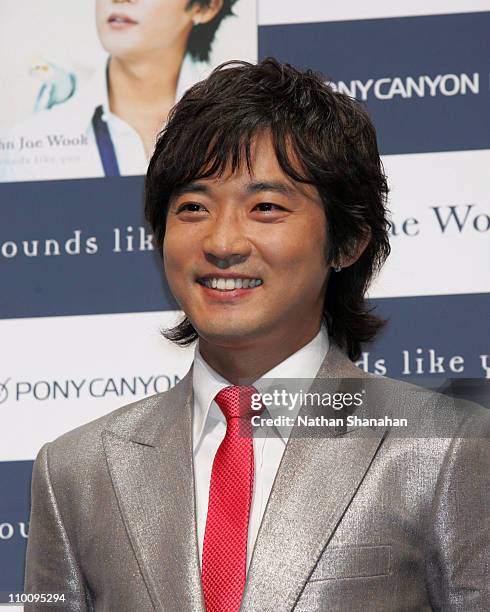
(117, 44)
(230, 335)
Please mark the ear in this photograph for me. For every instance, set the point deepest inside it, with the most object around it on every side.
(357, 250)
(204, 14)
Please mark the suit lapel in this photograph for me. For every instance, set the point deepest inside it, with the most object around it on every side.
(149, 454)
(315, 483)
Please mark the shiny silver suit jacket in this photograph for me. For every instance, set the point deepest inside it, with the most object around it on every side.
(357, 520)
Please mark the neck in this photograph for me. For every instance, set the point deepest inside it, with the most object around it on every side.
(248, 362)
(142, 91)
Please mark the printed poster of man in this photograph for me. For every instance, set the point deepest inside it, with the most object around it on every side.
(90, 85)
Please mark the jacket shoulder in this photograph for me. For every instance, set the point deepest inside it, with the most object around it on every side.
(86, 440)
(434, 413)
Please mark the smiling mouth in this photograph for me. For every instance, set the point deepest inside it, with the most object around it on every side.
(229, 284)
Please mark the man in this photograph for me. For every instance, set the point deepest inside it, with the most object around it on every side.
(157, 49)
(267, 200)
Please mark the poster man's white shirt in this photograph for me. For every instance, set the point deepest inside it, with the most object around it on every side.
(60, 143)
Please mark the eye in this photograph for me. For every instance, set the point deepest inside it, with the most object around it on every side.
(190, 207)
(268, 207)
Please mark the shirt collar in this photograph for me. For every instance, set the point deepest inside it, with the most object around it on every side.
(92, 94)
(207, 383)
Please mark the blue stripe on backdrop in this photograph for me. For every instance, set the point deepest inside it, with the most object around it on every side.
(87, 214)
(15, 477)
(101, 266)
(445, 111)
(434, 329)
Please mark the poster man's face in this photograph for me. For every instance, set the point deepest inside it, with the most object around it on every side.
(141, 27)
(244, 254)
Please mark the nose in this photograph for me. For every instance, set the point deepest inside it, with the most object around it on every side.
(225, 243)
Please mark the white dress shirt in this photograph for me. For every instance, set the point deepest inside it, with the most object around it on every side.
(209, 428)
(65, 145)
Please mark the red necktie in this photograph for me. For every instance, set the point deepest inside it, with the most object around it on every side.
(224, 556)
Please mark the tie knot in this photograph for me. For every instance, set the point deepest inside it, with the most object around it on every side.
(239, 402)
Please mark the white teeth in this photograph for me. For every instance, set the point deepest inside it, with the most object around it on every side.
(229, 284)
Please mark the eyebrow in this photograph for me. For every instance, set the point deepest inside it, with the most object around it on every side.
(190, 188)
(277, 186)
(253, 187)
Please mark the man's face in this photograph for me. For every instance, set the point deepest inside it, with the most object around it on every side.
(132, 29)
(260, 229)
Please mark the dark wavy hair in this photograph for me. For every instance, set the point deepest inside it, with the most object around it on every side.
(201, 38)
(320, 137)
